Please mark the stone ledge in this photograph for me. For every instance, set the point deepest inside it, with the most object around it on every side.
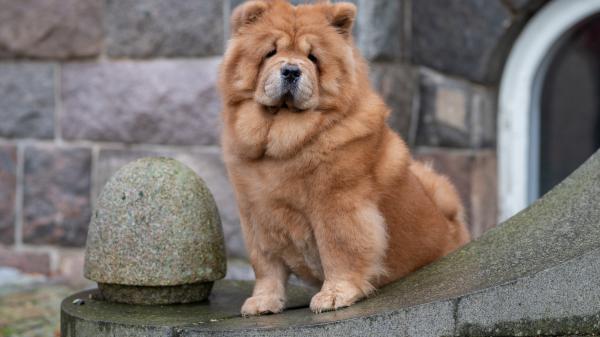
(151, 28)
(534, 275)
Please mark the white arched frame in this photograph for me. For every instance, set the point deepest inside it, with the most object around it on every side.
(518, 116)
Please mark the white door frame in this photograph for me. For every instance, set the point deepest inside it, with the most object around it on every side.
(518, 114)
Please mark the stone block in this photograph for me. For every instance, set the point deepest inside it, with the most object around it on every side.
(50, 28)
(474, 175)
(155, 28)
(26, 99)
(398, 85)
(8, 188)
(455, 113)
(381, 29)
(56, 192)
(25, 261)
(207, 163)
(459, 37)
(157, 102)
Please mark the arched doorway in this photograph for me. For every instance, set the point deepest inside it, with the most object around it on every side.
(549, 106)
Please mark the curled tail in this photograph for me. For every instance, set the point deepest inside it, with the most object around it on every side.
(444, 195)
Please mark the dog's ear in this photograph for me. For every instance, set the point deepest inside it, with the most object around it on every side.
(247, 14)
(343, 15)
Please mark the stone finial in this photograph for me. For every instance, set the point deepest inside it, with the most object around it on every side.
(155, 236)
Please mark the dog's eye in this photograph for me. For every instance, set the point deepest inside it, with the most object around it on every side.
(313, 58)
(271, 53)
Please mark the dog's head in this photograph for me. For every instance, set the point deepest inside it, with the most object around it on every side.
(292, 58)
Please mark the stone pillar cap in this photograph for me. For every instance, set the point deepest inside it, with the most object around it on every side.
(155, 224)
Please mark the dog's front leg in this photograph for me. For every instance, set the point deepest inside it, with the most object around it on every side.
(271, 278)
(352, 240)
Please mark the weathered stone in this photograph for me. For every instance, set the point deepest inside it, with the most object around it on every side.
(526, 277)
(26, 99)
(207, 163)
(381, 33)
(56, 205)
(8, 189)
(147, 28)
(443, 112)
(101, 318)
(155, 225)
(474, 175)
(459, 37)
(50, 28)
(158, 102)
(553, 302)
(25, 261)
(455, 113)
(153, 295)
(398, 85)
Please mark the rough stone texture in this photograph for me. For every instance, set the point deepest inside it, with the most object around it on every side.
(8, 188)
(474, 175)
(207, 163)
(536, 274)
(381, 32)
(552, 302)
(50, 28)
(181, 294)
(164, 321)
(25, 261)
(398, 85)
(158, 102)
(26, 99)
(56, 197)
(155, 224)
(150, 28)
(455, 113)
(459, 37)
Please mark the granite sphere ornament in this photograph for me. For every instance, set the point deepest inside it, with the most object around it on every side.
(155, 236)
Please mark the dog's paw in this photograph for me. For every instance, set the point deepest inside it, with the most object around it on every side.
(334, 298)
(261, 305)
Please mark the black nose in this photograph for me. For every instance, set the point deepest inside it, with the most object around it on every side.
(290, 72)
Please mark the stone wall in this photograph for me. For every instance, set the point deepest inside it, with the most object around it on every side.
(89, 85)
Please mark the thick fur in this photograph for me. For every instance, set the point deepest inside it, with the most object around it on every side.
(326, 189)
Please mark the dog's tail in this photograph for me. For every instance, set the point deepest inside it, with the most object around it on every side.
(444, 195)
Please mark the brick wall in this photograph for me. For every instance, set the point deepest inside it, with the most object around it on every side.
(89, 85)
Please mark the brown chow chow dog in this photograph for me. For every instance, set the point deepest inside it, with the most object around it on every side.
(326, 189)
